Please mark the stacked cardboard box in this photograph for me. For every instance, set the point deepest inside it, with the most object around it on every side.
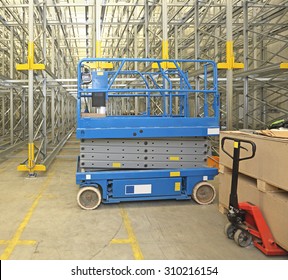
(262, 181)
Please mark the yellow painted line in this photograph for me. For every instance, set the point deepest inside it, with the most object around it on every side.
(120, 241)
(20, 242)
(16, 237)
(27, 242)
(132, 240)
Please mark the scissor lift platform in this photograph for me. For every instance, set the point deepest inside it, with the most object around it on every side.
(155, 151)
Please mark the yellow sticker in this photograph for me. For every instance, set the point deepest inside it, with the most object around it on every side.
(116, 164)
(174, 158)
(175, 174)
(100, 73)
(177, 186)
(236, 145)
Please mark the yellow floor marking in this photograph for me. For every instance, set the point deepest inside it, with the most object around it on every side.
(132, 240)
(16, 238)
(120, 241)
(20, 242)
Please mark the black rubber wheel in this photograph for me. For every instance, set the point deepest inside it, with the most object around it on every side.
(89, 198)
(229, 230)
(242, 238)
(204, 193)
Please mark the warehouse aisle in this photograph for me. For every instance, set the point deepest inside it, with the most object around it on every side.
(40, 219)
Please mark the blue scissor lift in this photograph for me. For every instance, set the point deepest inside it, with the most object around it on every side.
(144, 134)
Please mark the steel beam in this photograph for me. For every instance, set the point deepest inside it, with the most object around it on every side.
(229, 72)
(11, 90)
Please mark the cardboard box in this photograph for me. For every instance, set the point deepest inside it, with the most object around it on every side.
(268, 165)
(247, 189)
(273, 205)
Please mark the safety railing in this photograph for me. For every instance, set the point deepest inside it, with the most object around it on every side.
(136, 89)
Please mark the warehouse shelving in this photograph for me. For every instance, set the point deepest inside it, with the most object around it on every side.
(66, 31)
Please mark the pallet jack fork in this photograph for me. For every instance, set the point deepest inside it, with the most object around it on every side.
(246, 222)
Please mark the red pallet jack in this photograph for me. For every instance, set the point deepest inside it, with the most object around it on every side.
(246, 222)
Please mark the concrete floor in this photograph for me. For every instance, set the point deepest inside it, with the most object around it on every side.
(40, 219)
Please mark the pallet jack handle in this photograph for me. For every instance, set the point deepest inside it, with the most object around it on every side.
(237, 144)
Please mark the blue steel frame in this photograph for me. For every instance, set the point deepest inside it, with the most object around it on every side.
(147, 125)
(113, 182)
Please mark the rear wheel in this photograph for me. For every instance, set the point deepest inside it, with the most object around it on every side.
(89, 198)
(229, 230)
(204, 193)
(242, 238)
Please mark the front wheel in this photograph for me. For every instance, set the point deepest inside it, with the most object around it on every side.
(89, 198)
(204, 193)
(242, 238)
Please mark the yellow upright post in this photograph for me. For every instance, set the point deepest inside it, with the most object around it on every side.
(98, 53)
(230, 59)
(31, 166)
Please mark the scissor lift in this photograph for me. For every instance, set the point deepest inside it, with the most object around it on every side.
(144, 134)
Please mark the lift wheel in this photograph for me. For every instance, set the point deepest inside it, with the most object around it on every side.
(204, 193)
(89, 198)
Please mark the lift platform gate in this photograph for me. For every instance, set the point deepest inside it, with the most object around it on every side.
(144, 134)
